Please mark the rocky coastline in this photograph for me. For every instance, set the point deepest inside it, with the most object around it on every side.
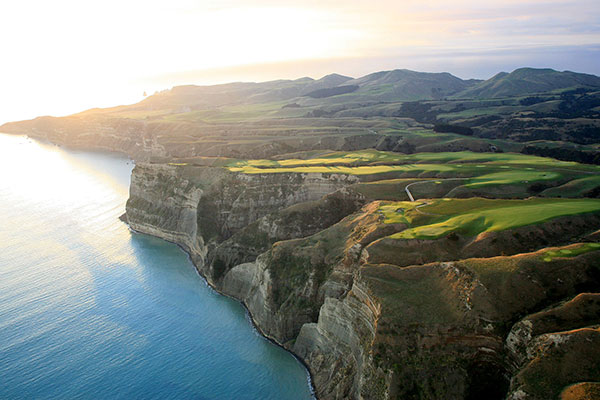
(249, 282)
(306, 255)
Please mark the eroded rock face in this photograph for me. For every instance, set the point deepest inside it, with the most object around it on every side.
(556, 361)
(368, 322)
(163, 204)
(294, 222)
(339, 345)
(556, 348)
(301, 293)
(200, 207)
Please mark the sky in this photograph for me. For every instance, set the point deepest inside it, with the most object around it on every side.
(63, 56)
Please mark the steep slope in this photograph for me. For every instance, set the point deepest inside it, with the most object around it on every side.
(369, 322)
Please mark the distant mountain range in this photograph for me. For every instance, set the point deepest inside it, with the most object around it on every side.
(383, 86)
(524, 81)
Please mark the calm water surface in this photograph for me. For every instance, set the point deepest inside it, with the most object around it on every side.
(90, 310)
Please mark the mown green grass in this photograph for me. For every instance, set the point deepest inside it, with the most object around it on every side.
(512, 177)
(516, 172)
(361, 170)
(375, 157)
(473, 216)
(399, 212)
(572, 251)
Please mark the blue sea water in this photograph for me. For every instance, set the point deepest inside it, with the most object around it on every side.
(90, 310)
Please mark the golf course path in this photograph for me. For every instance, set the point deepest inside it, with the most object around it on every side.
(410, 196)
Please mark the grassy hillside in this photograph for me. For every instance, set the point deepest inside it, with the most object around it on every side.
(457, 174)
(524, 81)
(374, 157)
(474, 216)
(536, 111)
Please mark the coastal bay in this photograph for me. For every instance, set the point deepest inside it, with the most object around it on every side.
(90, 309)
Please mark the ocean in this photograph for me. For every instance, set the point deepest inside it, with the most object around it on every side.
(89, 309)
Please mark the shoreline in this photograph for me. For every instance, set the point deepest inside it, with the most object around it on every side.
(75, 148)
(123, 218)
(310, 378)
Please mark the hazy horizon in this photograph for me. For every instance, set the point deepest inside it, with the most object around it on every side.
(68, 57)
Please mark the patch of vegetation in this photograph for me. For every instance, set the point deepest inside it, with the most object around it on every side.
(334, 91)
(414, 295)
(581, 391)
(512, 177)
(473, 216)
(401, 212)
(371, 157)
(531, 100)
(387, 189)
(572, 251)
(361, 170)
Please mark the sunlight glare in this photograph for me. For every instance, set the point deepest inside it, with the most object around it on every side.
(77, 55)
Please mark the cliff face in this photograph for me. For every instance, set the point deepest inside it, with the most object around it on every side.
(339, 346)
(308, 295)
(311, 260)
(200, 207)
(447, 330)
(303, 293)
(567, 335)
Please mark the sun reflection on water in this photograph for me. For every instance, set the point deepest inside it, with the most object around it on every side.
(90, 309)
